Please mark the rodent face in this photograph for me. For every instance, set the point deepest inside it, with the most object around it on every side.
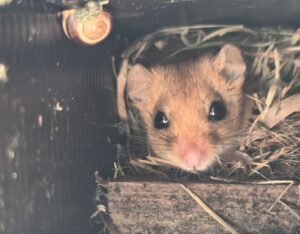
(193, 111)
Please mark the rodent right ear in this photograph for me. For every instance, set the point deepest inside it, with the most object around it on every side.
(230, 63)
(138, 81)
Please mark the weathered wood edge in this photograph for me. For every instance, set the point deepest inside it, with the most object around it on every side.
(138, 205)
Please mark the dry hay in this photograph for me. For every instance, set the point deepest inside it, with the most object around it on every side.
(273, 137)
(273, 140)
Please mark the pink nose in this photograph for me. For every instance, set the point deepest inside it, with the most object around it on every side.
(192, 159)
(193, 156)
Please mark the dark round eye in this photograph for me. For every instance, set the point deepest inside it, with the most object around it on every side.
(161, 121)
(217, 111)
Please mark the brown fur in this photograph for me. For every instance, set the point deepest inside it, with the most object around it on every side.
(184, 92)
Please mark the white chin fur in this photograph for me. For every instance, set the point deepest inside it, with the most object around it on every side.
(204, 167)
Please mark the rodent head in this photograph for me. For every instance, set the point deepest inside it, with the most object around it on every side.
(193, 111)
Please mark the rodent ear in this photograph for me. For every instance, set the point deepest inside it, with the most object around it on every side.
(138, 81)
(230, 64)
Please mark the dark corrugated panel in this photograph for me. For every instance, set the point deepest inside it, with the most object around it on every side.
(27, 6)
(47, 172)
(55, 163)
(25, 30)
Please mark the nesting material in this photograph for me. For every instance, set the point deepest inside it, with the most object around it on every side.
(3, 73)
(273, 138)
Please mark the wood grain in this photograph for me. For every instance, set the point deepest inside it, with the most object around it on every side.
(160, 207)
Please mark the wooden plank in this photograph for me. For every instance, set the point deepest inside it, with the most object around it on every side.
(161, 207)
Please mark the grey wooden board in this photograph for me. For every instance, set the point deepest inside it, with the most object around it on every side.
(159, 207)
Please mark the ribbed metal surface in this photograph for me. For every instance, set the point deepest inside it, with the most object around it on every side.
(26, 6)
(27, 24)
(47, 169)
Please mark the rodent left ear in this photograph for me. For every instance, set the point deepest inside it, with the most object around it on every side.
(138, 81)
(230, 64)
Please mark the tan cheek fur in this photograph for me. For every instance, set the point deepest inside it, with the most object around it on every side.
(186, 102)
